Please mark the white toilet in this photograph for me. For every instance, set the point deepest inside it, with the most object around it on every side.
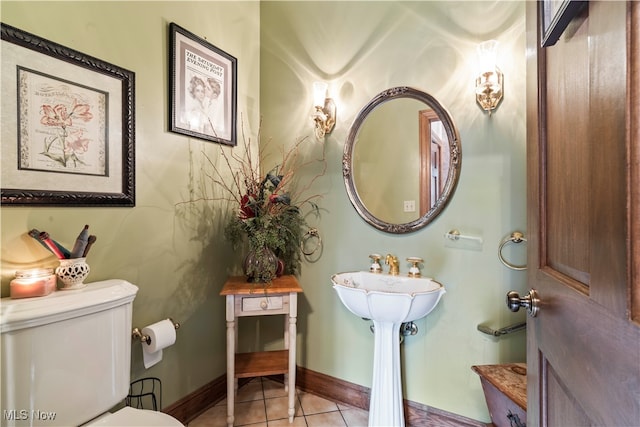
(66, 359)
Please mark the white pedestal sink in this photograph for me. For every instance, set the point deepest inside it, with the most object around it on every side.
(388, 301)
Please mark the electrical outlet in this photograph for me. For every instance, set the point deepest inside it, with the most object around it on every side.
(409, 205)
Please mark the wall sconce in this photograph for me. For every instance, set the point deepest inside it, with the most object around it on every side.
(324, 116)
(489, 84)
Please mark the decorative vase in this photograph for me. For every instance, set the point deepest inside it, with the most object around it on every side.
(260, 265)
(72, 273)
(280, 269)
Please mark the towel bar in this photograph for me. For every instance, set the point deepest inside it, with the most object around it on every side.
(502, 331)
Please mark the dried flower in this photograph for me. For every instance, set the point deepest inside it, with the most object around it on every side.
(268, 205)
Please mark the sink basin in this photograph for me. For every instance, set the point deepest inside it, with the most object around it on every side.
(388, 301)
(386, 298)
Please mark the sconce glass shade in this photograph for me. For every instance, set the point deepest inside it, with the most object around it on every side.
(487, 54)
(324, 116)
(319, 93)
(489, 83)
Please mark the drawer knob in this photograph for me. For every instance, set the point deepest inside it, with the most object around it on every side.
(264, 305)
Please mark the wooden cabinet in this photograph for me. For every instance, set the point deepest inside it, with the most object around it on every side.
(258, 299)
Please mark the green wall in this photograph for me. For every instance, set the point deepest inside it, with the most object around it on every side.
(360, 49)
(176, 253)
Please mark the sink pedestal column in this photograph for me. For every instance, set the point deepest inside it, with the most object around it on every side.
(386, 406)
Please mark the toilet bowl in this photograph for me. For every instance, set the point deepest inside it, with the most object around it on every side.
(505, 391)
(131, 417)
(67, 356)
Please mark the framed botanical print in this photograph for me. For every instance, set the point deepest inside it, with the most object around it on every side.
(67, 134)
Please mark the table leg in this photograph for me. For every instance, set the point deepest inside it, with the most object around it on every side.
(231, 356)
(286, 347)
(293, 313)
(230, 373)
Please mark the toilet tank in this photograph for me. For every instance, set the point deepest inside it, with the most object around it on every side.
(66, 357)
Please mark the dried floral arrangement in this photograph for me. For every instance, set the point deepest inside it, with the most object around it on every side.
(269, 206)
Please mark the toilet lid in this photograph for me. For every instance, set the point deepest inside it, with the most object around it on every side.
(131, 417)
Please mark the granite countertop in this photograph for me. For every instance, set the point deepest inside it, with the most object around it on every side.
(509, 378)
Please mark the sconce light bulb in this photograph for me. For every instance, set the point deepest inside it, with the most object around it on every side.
(319, 94)
(487, 54)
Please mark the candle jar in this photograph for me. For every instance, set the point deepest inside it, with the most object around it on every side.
(35, 282)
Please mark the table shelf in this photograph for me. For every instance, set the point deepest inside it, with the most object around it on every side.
(262, 363)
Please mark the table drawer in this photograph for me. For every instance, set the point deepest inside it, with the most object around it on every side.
(264, 304)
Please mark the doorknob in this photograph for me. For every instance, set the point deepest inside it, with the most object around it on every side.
(530, 301)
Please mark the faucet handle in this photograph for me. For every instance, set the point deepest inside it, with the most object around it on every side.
(414, 271)
(375, 263)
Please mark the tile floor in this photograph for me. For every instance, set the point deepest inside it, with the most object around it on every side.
(262, 402)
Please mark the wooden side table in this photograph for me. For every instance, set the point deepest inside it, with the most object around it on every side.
(253, 299)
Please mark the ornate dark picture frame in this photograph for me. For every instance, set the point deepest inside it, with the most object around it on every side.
(202, 88)
(555, 16)
(68, 135)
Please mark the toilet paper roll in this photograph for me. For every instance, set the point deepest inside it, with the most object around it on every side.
(162, 334)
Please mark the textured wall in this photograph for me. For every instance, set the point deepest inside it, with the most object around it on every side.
(174, 253)
(360, 49)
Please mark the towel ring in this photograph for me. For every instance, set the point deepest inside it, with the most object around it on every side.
(310, 234)
(515, 237)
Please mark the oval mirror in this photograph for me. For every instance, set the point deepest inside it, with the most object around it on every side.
(401, 160)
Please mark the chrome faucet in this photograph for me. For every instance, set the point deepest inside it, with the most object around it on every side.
(393, 263)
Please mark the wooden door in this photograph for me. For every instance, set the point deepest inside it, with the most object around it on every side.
(583, 96)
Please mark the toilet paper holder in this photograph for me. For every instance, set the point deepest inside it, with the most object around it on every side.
(137, 334)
